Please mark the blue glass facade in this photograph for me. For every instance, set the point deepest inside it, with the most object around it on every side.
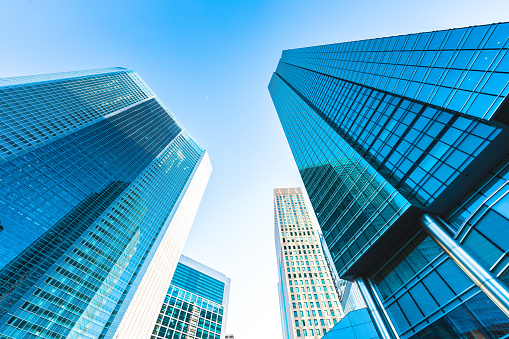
(384, 130)
(198, 283)
(196, 303)
(92, 166)
(355, 325)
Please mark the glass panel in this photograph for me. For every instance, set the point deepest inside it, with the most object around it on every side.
(494, 226)
(441, 292)
(454, 276)
(423, 299)
(398, 318)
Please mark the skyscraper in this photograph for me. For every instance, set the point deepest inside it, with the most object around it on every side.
(308, 298)
(99, 186)
(402, 144)
(196, 304)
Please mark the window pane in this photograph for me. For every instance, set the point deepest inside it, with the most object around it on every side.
(423, 299)
(454, 276)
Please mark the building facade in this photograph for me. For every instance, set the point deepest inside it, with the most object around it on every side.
(308, 296)
(196, 304)
(402, 144)
(99, 186)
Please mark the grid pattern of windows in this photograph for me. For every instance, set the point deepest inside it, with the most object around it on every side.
(418, 283)
(477, 318)
(481, 220)
(464, 70)
(198, 283)
(419, 149)
(354, 204)
(81, 212)
(313, 301)
(187, 315)
(379, 125)
(35, 113)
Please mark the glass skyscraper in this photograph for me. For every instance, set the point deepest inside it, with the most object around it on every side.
(403, 146)
(99, 186)
(196, 304)
(308, 293)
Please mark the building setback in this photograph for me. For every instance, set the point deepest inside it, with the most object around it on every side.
(196, 304)
(402, 144)
(308, 298)
(99, 185)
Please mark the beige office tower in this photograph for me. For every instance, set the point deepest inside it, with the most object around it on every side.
(308, 296)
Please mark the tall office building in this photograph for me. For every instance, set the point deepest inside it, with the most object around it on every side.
(402, 144)
(99, 185)
(196, 304)
(308, 298)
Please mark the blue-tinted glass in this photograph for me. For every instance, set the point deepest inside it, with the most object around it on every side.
(198, 283)
(496, 83)
(495, 227)
(455, 38)
(82, 210)
(454, 276)
(499, 36)
(340, 137)
(462, 59)
(441, 292)
(475, 37)
(423, 299)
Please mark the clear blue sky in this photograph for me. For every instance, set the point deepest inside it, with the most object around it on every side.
(225, 50)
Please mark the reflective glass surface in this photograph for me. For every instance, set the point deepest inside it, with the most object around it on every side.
(481, 220)
(379, 125)
(354, 204)
(83, 201)
(198, 283)
(192, 307)
(463, 69)
(477, 318)
(419, 149)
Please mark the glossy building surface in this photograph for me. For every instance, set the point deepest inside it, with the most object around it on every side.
(308, 297)
(98, 182)
(383, 130)
(196, 304)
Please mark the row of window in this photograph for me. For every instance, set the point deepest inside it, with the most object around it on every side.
(311, 332)
(315, 322)
(313, 313)
(312, 304)
(313, 296)
(482, 49)
(303, 233)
